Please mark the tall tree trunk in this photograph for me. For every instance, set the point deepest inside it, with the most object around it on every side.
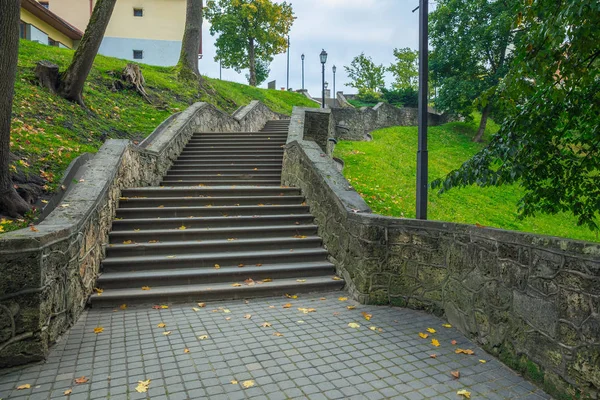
(484, 117)
(73, 79)
(10, 202)
(252, 62)
(190, 45)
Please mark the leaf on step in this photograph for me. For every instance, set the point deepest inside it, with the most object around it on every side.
(248, 316)
(240, 265)
(367, 315)
(322, 298)
(208, 205)
(291, 296)
(354, 325)
(249, 282)
(137, 230)
(259, 265)
(455, 374)
(423, 335)
(351, 307)
(161, 206)
(171, 256)
(226, 311)
(431, 330)
(277, 334)
(342, 298)
(195, 309)
(271, 306)
(98, 291)
(164, 307)
(32, 228)
(230, 239)
(300, 236)
(435, 342)
(167, 333)
(464, 351)
(266, 325)
(203, 337)
(287, 305)
(201, 305)
(301, 280)
(267, 280)
(161, 325)
(186, 351)
(81, 380)
(256, 169)
(182, 228)
(98, 330)
(127, 242)
(304, 203)
(145, 287)
(236, 285)
(217, 266)
(123, 307)
(336, 278)
(152, 241)
(68, 392)
(261, 205)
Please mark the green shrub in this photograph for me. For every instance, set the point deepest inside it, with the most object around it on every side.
(368, 96)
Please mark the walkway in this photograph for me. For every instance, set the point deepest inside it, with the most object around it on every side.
(212, 352)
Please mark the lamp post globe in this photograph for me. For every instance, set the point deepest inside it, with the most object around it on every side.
(323, 57)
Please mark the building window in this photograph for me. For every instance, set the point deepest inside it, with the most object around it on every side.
(22, 30)
(138, 54)
(52, 42)
(138, 12)
(45, 4)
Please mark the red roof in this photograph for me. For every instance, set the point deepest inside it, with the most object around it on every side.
(52, 19)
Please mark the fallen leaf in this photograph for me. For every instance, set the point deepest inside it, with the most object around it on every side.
(336, 278)
(454, 342)
(267, 280)
(234, 382)
(277, 334)
(447, 325)
(236, 285)
(287, 305)
(300, 236)
(367, 315)
(33, 228)
(195, 309)
(167, 333)
(322, 298)
(227, 318)
(156, 307)
(435, 342)
(217, 266)
(266, 325)
(99, 291)
(373, 328)
(464, 393)
(162, 325)
(271, 306)
(203, 337)
(68, 392)
(123, 307)
(342, 298)
(186, 350)
(142, 386)
(423, 335)
(81, 380)
(182, 228)
(170, 256)
(259, 265)
(163, 307)
(226, 311)
(240, 265)
(249, 282)
(201, 305)
(127, 242)
(248, 384)
(23, 387)
(248, 316)
(145, 287)
(482, 361)
(431, 330)
(351, 307)
(98, 330)
(301, 280)
(291, 296)
(433, 355)
(455, 374)
(464, 351)
(307, 310)
(353, 325)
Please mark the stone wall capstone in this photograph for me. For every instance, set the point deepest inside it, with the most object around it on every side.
(47, 274)
(531, 300)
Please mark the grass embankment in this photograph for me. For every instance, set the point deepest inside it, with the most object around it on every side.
(384, 173)
(48, 132)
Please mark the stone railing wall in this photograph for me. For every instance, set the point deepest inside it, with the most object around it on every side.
(47, 273)
(531, 300)
(354, 124)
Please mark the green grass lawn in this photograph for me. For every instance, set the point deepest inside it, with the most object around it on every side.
(48, 132)
(384, 173)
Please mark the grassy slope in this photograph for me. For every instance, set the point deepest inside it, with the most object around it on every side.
(384, 173)
(49, 132)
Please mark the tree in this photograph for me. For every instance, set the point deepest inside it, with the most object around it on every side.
(187, 67)
(549, 141)
(471, 39)
(365, 75)
(262, 72)
(405, 69)
(249, 30)
(10, 202)
(70, 83)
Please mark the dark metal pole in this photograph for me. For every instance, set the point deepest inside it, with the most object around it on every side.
(288, 65)
(323, 86)
(334, 93)
(302, 71)
(422, 154)
(220, 76)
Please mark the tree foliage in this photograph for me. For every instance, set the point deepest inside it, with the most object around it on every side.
(262, 72)
(249, 30)
(365, 74)
(549, 141)
(405, 69)
(471, 39)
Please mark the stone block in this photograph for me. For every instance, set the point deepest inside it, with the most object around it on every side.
(540, 313)
(574, 306)
(585, 368)
(545, 264)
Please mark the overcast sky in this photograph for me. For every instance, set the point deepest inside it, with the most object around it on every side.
(344, 28)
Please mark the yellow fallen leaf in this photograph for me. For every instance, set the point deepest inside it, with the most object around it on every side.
(300, 236)
(167, 333)
(236, 285)
(145, 287)
(81, 380)
(201, 305)
(98, 330)
(423, 335)
(182, 228)
(342, 298)
(23, 387)
(455, 374)
(482, 361)
(164, 307)
(203, 337)
(171, 256)
(240, 265)
(226, 311)
(161, 325)
(277, 334)
(248, 384)
(431, 330)
(464, 351)
(447, 325)
(195, 309)
(186, 350)
(266, 325)
(435, 342)
(217, 266)
(123, 307)
(142, 386)
(234, 382)
(464, 393)
(287, 305)
(248, 316)
(99, 291)
(350, 307)
(267, 280)
(353, 325)
(336, 278)
(307, 310)
(301, 280)
(373, 328)
(127, 242)
(68, 392)
(291, 296)
(367, 316)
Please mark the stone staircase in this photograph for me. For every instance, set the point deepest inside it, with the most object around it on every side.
(219, 227)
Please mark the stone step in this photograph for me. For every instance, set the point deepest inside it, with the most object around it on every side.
(213, 201)
(211, 246)
(215, 191)
(195, 276)
(233, 146)
(253, 152)
(144, 224)
(209, 260)
(210, 211)
(214, 182)
(232, 164)
(210, 292)
(230, 172)
(175, 235)
(242, 135)
(199, 177)
(247, 158)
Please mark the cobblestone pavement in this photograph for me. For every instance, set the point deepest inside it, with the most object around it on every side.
(212, 352)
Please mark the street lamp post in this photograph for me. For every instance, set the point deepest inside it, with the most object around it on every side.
(323, 57)
(302, 57)
(220, 75)
(334, 69)
(288, 64)
(422, 153)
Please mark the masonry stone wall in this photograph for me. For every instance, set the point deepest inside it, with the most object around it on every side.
(47, 274)
(532, 300)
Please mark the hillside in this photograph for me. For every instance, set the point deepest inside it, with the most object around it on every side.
(384, 173)
(49, 132)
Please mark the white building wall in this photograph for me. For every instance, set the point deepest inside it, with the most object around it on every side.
(156, 52)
